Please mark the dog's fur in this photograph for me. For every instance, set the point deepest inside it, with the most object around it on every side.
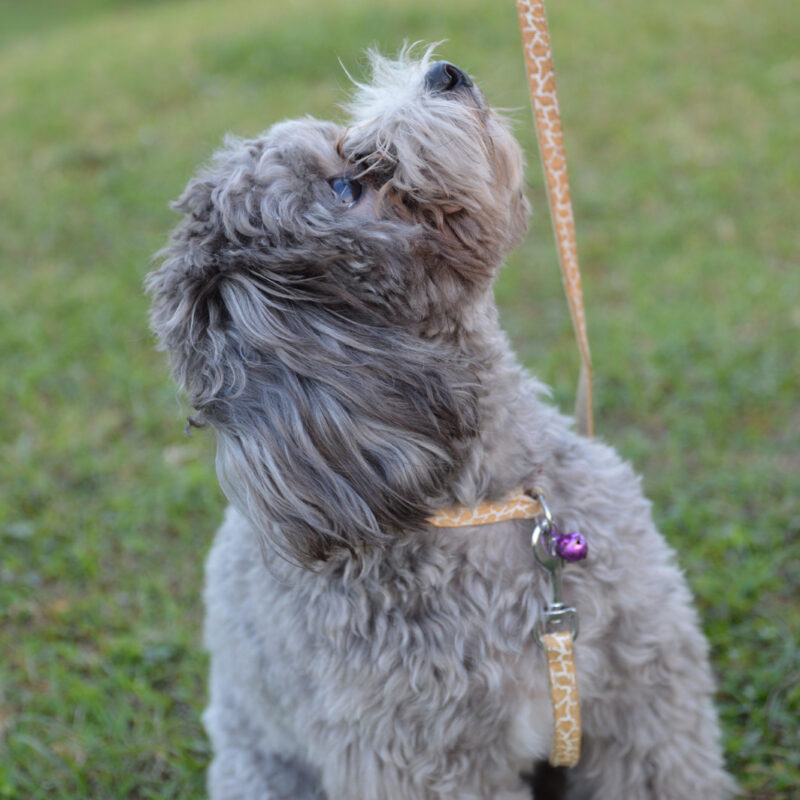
(351, 362)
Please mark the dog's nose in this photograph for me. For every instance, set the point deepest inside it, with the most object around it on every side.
(445, 77)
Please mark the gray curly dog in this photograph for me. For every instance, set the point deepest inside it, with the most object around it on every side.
(327, 307)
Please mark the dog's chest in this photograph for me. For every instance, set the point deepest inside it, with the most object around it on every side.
(439, 633)
(445, 630)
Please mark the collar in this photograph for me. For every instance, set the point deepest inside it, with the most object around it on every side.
(517, 505)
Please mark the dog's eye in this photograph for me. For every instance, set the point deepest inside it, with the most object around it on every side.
(346, 189)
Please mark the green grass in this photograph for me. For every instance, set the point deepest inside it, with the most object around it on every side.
(682, 125)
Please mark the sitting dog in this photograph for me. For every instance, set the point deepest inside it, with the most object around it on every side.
(327, 307)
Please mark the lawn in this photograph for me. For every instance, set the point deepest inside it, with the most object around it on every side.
(682, 126)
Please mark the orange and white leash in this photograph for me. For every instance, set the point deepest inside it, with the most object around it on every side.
(542, 81)
(547, 117)
(557, 628)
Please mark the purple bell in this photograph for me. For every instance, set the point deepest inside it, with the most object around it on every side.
(571, 546)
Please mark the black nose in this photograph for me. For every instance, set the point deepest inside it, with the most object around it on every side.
(445, 77)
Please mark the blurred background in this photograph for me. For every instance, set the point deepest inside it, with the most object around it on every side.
(682, 127)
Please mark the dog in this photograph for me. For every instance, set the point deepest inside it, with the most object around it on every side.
(326, 303)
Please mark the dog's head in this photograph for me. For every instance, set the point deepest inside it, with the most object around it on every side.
(312, 296)
(424, 141)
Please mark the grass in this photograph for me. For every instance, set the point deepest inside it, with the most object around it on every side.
(681, 123)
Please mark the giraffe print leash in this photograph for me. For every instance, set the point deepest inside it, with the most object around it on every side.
(564, 697)
(542, 82)
(557, 628)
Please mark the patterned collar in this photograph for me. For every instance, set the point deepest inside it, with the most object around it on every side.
(516, 506)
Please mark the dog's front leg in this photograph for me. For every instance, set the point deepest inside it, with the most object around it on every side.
(246, 774)
(252, 758)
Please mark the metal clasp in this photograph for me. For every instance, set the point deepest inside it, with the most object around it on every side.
(556, 616)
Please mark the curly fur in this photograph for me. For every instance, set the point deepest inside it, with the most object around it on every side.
(351, 362)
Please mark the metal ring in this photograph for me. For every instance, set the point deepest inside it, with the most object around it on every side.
(566, 613)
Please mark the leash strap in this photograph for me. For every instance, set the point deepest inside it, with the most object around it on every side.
(542, 81)
(564, 694)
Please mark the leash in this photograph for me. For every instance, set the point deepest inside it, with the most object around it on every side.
(557, 628)
(546, 114)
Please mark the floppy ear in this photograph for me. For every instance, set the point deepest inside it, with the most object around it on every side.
(334, 430)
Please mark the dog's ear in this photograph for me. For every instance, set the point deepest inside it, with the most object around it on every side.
(334, 430)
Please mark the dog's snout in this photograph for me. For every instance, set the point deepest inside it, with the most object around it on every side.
(446, 77)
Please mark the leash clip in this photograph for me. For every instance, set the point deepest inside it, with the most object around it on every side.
(556, 630)
(557, 616)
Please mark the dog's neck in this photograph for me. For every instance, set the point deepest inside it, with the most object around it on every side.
(506, 453)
